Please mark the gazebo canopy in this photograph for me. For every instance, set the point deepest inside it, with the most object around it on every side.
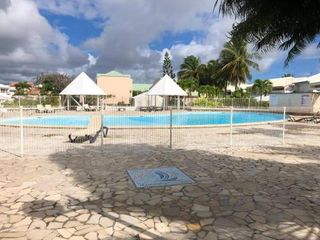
(83, 86)
(166, 86)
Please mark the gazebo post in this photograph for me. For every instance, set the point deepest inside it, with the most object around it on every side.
(97, 102)
(68, 103)
(178, 102)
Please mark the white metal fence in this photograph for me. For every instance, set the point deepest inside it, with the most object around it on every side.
(30, 131)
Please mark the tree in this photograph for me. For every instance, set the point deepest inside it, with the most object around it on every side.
(52, 83)
(236, 61)
(190, 68)
(209, 91)
(22, 88)
(241, 93)
(286, 24)
(208, 73)
(262, 87)
(190, 85)
(167, 66)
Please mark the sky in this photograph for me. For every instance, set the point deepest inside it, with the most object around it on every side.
(97, 36)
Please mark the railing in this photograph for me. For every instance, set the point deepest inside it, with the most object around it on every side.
(30, 131)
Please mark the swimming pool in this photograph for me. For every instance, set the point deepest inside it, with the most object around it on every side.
(178, 119)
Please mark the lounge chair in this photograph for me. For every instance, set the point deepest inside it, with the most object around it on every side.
(313, 118)
(143, 109)
(48, 108)
(40, 109)
(93, 108)
(90, 133)
(316, 118)
(86, 107)
(3, 111)
(79, 108)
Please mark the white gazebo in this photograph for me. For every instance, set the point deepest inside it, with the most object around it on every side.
(145, 100)
(82, 86)
(166, 87)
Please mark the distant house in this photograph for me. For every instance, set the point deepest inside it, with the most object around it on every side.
(140, 88)
(297, 94)
(117, 86)
(4, 92)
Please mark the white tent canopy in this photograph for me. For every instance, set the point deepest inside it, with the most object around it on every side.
(83, 86)
(166, 86)
(145, 100)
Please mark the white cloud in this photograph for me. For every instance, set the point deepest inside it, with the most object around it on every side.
(92, 59)
(29, 45)
(269, 58)
(124, 44)
(310, 52)
(133, 25)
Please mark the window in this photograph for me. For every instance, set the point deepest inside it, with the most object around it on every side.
(305, 100)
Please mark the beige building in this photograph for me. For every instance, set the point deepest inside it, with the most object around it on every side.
(117, 86)
(300, 95)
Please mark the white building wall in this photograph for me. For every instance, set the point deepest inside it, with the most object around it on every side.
(144, 100)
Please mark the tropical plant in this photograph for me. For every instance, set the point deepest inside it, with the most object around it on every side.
(241, 93)
(167, 66)
(262, 87)
(190, 85)
(52, 83)
(208, 73)
(286, 24)
(236, 61)
(190, 68)
(22, 88)
(204, 102)
(209, 91)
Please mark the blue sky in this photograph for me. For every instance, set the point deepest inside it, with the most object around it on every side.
(77, 29)
(130, 36)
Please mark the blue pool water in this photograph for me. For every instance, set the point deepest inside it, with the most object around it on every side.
(190, 118)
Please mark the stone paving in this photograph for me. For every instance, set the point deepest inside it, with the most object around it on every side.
(240, 193)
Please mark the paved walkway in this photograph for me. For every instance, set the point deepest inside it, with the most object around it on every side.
(252, 193)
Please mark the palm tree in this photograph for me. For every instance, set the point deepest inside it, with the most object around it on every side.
(190, 68)
(209, 91)
(208, 73)
(286, 24)
(262, 87)
(190, 85)
(236, 61)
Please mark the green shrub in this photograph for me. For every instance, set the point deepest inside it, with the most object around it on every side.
(31, 102)
(204, 102)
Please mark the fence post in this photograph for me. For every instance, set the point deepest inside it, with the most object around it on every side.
(231, 126)
(101, 131)
(21, 133)
(170, 127)
(249, 103)
(284, 125)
